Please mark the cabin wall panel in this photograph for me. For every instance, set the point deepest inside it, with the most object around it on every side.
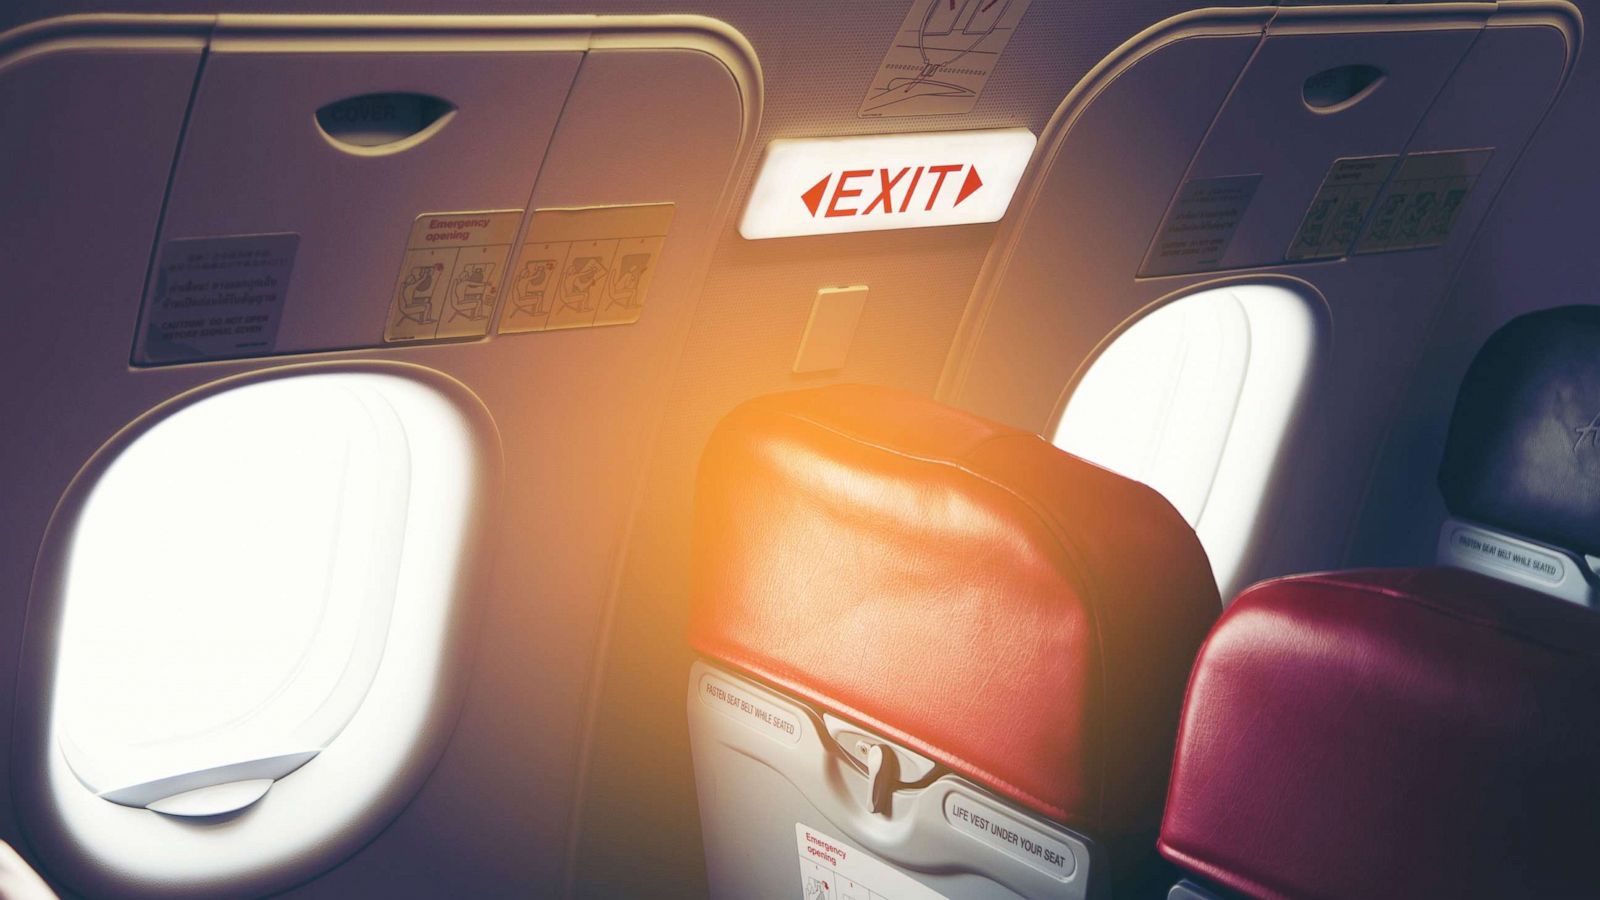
(1266, 128)
(254, 161)
(576, 410)
(1535, 251)
(66, 236)
(1380, 306)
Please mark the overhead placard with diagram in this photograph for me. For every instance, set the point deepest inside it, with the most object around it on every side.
(584, 267)
(942, 56)
(450, 275)
(1423, 200)
(1333, 220)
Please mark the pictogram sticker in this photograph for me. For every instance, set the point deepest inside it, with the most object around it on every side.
(216, 298)
(1422, 202)
(1333, 220)
(942, 56)
(450, 275)
(1196, 232)
(585, 267)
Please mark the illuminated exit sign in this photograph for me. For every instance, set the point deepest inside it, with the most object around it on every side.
(835, 185)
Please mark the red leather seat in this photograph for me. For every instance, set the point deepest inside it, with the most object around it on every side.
(1019, 615)
(1392, 734)
(1422, 732)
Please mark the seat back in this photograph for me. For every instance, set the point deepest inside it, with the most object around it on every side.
(1423, 732)
(1009, 625)
(1521, 469)
(1392, 734)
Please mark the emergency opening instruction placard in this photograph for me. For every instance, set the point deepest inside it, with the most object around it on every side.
(1419, 207)
(830, 869)
(1333, 220)
(585, 267)
(215, 298)
(450, 275)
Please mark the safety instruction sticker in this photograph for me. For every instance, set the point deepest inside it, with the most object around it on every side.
(215, 298)
(751, 709)
(942, 56)
(1422, 201)
(1010, 835)
(450, 275)
(830, 869)
(584, 267)
(1333, 220)
(1198, 228)
(1485, 548)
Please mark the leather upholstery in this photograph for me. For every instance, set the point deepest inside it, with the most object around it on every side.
(1392, 734)
(1024, 617)
(1524, 446)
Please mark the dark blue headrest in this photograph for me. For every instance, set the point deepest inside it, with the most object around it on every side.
(1524, 448)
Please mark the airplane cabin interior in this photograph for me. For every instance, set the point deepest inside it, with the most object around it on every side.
(907, 450)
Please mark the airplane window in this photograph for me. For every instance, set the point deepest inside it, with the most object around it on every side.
(232, 580)
(1194, 400)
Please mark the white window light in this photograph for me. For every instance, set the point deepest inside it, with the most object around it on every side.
(230, 590)
(1194, 400)
(234, 582)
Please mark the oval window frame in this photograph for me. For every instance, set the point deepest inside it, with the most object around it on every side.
(328, 809)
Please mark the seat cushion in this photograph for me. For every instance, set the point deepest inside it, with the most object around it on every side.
(1392, 734)
(1024, 617)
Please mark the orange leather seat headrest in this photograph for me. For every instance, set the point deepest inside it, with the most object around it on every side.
(1024, 617)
